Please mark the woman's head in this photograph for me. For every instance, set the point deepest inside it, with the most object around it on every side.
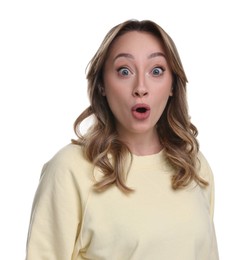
(96, 67)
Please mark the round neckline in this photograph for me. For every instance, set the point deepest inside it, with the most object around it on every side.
(148, 155)
(151, 161)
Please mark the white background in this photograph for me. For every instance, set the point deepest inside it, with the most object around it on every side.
(44, 49)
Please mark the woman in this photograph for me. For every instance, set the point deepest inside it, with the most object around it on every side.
(135, 185)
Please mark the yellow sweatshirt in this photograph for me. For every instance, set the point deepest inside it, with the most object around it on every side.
(71, 221)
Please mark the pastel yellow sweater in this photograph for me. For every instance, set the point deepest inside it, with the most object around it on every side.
(71, 221)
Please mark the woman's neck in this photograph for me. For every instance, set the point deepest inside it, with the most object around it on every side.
(143, 144)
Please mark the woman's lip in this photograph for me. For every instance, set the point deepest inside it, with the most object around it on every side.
(137, 106)
(138, 114)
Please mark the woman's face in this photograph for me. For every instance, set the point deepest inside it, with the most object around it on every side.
(137, 82)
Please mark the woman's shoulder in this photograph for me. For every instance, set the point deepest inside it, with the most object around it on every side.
(68, 154)
(69, 159)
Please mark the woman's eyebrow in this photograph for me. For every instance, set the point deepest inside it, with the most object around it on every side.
(156, 54)
(126, 55)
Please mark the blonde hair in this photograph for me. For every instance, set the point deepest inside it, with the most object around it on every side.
(176, 132)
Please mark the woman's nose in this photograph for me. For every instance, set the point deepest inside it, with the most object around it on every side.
(140, 89)
(140, 92)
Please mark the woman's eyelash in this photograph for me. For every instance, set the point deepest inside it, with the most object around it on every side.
(124, 71)
(158, 70)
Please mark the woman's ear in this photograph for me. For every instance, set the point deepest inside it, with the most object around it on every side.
(102, 90)
(171, 91)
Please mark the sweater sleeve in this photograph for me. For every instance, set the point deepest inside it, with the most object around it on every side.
(207, 174)
(56, 214)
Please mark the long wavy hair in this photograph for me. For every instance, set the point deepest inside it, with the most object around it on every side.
(177, 134)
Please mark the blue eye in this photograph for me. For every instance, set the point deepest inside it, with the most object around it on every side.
(157, 71)
(124, 71)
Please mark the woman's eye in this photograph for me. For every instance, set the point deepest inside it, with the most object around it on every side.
(157, 71)
(124, 71)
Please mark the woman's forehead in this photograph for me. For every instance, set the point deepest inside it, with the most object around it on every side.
(134, 42)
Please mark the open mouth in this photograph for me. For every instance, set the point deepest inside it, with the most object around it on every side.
(140, 108)
(141, 111)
